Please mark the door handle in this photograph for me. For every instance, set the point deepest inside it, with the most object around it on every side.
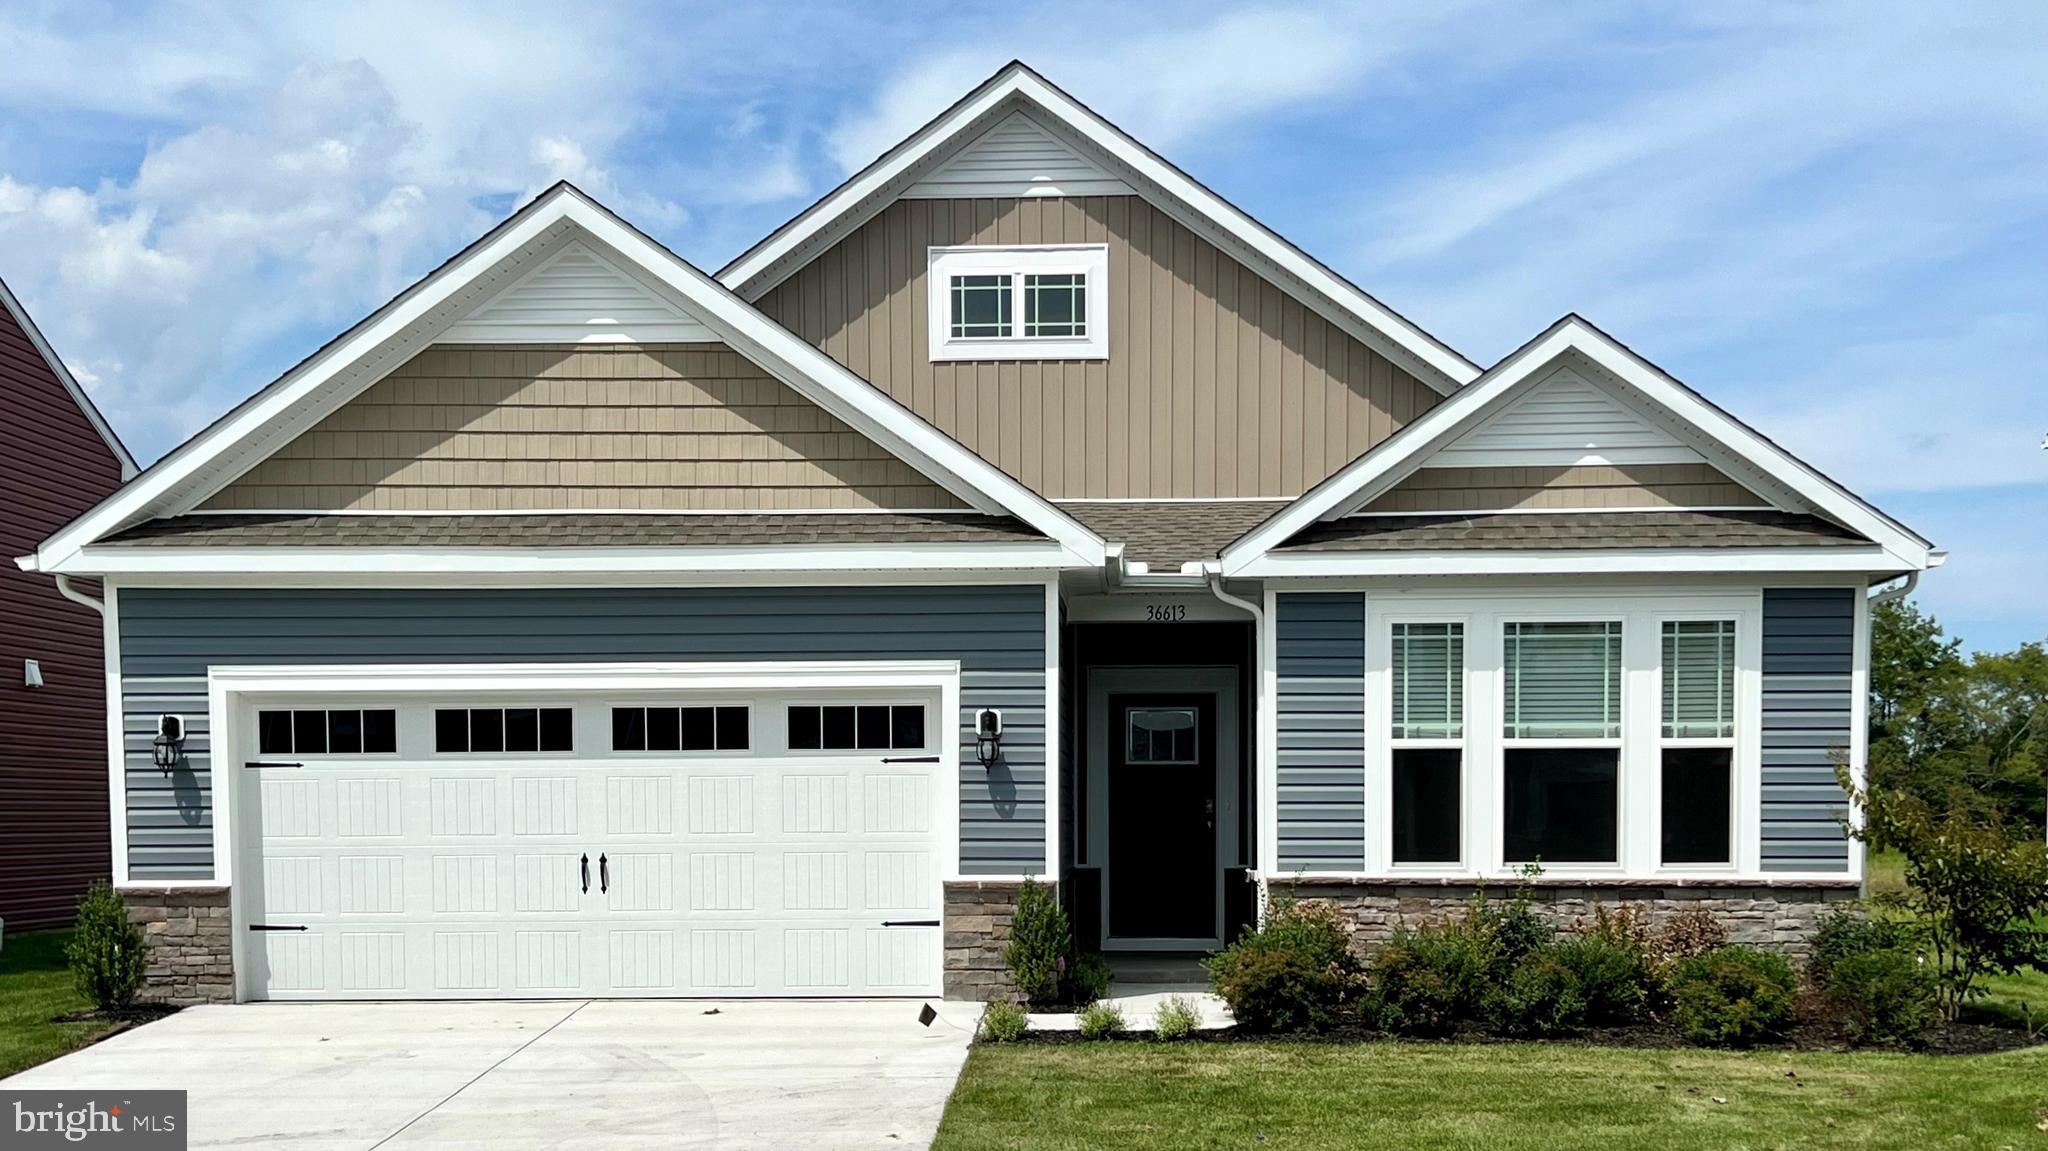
(604, 874)
(586, 873)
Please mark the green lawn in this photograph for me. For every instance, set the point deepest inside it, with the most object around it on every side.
(2009, 995)
(1497, 1097)
(35, 987)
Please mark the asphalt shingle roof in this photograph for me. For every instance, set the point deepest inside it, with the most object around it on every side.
(1566, 530)
(573, 529)
(1166, 535)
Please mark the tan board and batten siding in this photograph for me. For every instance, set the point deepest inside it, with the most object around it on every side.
(1581, 487)
(681, 427)
(1217, 384)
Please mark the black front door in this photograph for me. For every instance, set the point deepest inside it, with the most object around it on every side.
(1162, 817)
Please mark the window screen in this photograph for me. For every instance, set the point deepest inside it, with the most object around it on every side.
(332, 731)
(1429, 680)
(1699, 679)
(1562, 680)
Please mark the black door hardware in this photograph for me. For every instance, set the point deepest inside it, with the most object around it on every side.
(910, 759)
(604, 874)
(277, 927)
(586, 873)
(262, 763)
(910, 923)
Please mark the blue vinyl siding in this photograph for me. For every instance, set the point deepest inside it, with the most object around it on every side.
(1808, 709)
(170, 636)
(1319, 659)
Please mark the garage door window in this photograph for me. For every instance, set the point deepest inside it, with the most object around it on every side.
(489, 730)
(333, 731)
(857, 727)
(679, 729)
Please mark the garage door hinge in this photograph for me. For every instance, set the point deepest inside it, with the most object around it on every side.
(277, 927)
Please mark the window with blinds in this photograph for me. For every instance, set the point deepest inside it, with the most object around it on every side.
(1699, 679)
(1562, 680)
(1429, 680)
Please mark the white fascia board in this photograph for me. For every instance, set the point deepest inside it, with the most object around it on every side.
(1846, 560)
(581, 560)
(1353, 485)
(71, 384)
(653, 676)
(755, 272)
(178, 482)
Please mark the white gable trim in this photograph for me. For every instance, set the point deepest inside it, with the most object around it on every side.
(1030, 556)
(71, 385)
(577, 296)
(1018, 156)
(1749, 458)
(392, 334)
(1215, 219)
(1564, 420)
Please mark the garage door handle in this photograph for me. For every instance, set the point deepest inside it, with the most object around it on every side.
(910, 923)
(586, 873)
(910, 759)
(604, 874)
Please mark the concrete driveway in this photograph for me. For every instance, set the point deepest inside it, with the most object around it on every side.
(601, 1073)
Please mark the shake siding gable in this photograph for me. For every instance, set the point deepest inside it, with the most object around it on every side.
(170, 636)
(1217, 383)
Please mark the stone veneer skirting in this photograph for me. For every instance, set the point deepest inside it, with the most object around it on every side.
(977, 927)
(1774, 916)
(191, 944)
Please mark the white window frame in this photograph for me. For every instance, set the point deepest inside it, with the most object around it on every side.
(1732, 741)
(1017, 262)
(1383, 634)
(1641, 612)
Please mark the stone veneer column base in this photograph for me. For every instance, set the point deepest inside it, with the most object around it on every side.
(191, 944)
(1775, 916)
(977, 927)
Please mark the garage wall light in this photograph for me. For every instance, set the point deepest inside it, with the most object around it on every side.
(168, 748)
(988, 736)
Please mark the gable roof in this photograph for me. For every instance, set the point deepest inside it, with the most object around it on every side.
(71, 385)
(1059, 116)
(393, 333)
(1572, 341)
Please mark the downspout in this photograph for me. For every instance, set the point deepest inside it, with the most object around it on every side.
(65, 589)
(1899, 591)
(1259, 721)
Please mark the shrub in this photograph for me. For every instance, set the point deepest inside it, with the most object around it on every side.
(1176, 1018)
(1543, 997)
(1003, 1021)
(1101, 1020)
(1424, 981)
(1883, 995)
(1294, 974)
(1691, 932)
(1615, 975)
(1041, 954)
(1732, 996)
(1845, 933)
(1516, 930)
(107, 953)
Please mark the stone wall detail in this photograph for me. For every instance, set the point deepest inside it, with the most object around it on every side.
(977, 928)
(191, 944)
(1777, 917)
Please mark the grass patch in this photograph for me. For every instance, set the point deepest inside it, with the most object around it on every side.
(35, 988)
(1501, 1097)
(2009, 995)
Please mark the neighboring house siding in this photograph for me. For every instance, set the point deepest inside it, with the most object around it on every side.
(1583, 487)
(1808, 710)
(681, 427)
(53, 740)
(170, 636)
(1217, 382)
(1320, 661)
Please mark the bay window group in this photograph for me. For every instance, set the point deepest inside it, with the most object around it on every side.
(1594, 736)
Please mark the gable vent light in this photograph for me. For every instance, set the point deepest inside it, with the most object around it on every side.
(169, 744)
(988, 736)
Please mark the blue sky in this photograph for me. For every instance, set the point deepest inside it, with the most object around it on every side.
(1830, 218)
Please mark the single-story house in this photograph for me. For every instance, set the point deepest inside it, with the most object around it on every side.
(582, 623)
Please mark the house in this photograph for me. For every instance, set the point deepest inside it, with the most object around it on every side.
(581, 623)
(57, 458)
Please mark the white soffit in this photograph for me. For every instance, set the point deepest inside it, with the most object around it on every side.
(1565, 421)
(577, 297)
(1017, 157)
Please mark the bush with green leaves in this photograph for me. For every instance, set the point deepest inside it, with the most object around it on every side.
(107, 953)
(1041, 955)
(1295, 973)
(1615, 973)
(1882, 995)
(1515, 928)
(1733, 996)
(1544, 997)
(1176, 1019)
(1846, 932)
(1101, 1020)
(1426, 979)
(1003, 1021)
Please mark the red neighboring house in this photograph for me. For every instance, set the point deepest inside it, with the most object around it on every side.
(58, 457)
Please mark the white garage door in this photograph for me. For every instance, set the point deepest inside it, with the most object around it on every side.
(785, 845)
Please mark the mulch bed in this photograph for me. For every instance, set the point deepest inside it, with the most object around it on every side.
(125, 1019)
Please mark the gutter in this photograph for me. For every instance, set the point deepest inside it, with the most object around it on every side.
(1896, 591)
(65, 589)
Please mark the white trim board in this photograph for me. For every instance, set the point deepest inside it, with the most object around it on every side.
(71, 384)
(392, 334)
(341, 560)
(1747, 456)
(1016, 87)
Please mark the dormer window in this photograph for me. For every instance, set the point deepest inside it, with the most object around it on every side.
(1041, 302)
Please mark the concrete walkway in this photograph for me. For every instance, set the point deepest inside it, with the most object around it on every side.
(517, 1076)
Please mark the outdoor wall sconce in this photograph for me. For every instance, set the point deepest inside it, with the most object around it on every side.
(169, 744)
(988, 736)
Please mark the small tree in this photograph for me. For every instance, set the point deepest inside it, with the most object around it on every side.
(1975, 888)
(1041, 954)
(107, 953)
